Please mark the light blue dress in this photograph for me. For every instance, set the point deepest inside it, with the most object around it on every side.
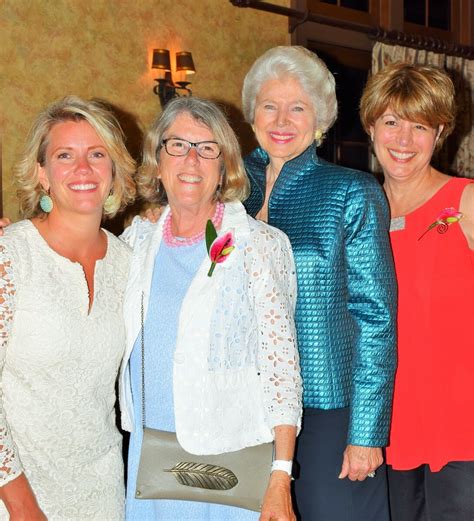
(173, 273)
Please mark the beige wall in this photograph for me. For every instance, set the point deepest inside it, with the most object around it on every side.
(102, 48)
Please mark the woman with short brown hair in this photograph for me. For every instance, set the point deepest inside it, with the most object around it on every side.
(408, 110)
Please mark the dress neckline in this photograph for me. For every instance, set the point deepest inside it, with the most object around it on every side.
(430, 208)
(45, 244)
(421, 206)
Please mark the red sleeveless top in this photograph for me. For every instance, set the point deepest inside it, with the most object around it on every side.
(433, 406)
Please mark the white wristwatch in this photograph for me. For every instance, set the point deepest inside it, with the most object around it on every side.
(280, 464)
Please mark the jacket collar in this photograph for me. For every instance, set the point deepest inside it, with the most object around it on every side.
(143, 261)
(235, 219)
(292, 171)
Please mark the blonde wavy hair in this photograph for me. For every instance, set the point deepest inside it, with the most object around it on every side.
(101, 119)
(234, 184)
(418, 93)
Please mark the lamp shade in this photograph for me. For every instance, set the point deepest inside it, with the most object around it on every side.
(184, 62)
(161, 59)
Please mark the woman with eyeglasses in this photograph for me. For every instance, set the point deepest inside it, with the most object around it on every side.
(219, 353)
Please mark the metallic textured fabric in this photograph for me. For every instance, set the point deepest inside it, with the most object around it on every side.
(337, 221)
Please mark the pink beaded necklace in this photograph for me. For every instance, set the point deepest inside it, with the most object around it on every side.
(173, 241)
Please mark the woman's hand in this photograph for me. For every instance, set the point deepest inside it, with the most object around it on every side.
(277, 504)
(20, 501)
(358, 462)
(4, 222)
(152, 214)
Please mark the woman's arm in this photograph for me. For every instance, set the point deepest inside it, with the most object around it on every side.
(273, 287)
(467, 208)
(372, 299)
(20, 500)
(15, 490)
(277, 504)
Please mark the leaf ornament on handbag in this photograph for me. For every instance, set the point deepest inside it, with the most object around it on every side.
(204, 475)
(218, 247)
(447, 217)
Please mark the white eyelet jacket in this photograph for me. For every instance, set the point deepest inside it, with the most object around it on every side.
(236, 368)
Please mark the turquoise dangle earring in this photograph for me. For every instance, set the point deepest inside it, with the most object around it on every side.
(46, 203)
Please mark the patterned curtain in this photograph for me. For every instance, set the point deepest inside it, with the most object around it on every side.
(457, 156)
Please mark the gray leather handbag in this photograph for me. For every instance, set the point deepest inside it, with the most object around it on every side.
(167, 471)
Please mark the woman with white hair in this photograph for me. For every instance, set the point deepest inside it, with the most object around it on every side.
(337, 221)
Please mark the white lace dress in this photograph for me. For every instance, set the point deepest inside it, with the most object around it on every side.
(59, 364)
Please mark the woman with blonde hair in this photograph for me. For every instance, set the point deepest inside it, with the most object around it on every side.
(408, 111)
(62, 341)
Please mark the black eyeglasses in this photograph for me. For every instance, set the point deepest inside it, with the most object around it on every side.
(180, 147)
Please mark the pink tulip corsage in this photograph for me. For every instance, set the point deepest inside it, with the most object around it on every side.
(447, 217)
(218, 247)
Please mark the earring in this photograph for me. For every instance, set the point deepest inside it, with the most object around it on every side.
(45, 202)
(109, 203)
(318, 134)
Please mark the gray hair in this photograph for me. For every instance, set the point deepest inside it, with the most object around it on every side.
(234, 185)
(303, 65)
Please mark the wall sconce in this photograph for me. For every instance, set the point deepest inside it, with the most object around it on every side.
(166, 89)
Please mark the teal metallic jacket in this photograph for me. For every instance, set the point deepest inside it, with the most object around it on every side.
(337, 220)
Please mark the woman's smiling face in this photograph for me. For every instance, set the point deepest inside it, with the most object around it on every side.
(189, 180)
(285, 119)
(404, 148)
(77, 169)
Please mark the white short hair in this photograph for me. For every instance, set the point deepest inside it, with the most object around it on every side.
(303, 65)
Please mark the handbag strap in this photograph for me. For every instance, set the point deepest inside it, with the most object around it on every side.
(142, 338)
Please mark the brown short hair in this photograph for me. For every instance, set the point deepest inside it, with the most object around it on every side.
(235, 184)
(420, 93)
(101, 119)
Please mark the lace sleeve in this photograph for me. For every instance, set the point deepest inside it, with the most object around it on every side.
(10, 466)
(272, 283)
